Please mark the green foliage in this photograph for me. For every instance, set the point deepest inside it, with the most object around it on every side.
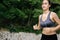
(21, 15)
(56, 1)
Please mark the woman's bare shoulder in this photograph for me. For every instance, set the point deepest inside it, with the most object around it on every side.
(53, 14)
(40, 15)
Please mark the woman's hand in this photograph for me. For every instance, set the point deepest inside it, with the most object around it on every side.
(35, 27)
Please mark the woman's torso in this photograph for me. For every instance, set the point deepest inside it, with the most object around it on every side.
(50, 23)
(44, 31)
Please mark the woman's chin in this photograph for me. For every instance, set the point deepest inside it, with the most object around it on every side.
(44, 9)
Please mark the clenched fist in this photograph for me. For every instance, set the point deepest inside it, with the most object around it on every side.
(35, 27)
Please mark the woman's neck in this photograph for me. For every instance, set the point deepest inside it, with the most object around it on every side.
(46, 11)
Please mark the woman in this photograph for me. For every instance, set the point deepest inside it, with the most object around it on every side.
(47, 22)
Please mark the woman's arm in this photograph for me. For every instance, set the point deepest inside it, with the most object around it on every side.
(39, 23)
(57, 20)
(37, 27)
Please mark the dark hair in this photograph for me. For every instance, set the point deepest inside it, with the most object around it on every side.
(49, 2)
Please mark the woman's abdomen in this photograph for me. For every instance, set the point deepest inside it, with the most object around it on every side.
(46, 31)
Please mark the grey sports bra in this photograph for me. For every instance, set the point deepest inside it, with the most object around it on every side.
(47, 23)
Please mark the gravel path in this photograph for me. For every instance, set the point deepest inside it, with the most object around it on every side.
(21, 36)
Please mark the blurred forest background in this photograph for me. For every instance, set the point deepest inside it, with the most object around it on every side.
(21, 15)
